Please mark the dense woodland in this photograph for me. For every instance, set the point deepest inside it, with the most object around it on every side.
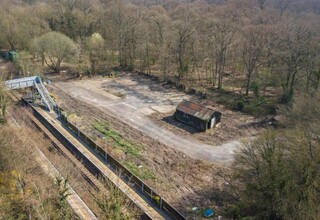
(262, 51)
(251, 45)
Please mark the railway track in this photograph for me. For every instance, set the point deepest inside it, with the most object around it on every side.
(89, 164)
(91, 179)
(76, 203)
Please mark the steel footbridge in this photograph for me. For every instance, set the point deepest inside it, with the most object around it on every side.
(38, 88)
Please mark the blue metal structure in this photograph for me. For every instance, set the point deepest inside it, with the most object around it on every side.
(36, 83)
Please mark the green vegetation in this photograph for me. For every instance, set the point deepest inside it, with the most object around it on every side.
(53, 48)
(126, 146)
(142, 172)
(95, 52)
(257, 106)
(65, 211)
(278, 172)
(26, 192)
(115, 205)
(280, 175)
(119, 141)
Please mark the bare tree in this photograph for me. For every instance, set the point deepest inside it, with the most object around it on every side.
(282, 5)
(160, 21)
(252, 50)
(223, 32)
(290, 43)
(10, 30)
(125, 18)
(183, 30)
(280, 162)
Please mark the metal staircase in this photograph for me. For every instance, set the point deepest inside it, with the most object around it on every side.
(36, 82)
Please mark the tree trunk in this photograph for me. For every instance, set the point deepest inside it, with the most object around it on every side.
(248, 82)
(180, 61)
(250, 67)
(220, 70)
(148, 58)
(58, 67)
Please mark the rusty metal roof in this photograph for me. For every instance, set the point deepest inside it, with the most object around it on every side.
(195, 110)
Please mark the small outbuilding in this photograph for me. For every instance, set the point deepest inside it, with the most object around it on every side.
(12, 55)
(196, 115)
(9, 55)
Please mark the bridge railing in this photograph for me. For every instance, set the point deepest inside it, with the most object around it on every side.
(33, 81)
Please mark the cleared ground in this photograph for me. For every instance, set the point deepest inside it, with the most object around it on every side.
(140, 110)
(134, 100)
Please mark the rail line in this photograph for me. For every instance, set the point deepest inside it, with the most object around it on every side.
(78, 153)
(76, 203)
(88, 176)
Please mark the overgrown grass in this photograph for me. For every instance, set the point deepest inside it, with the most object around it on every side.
(141, 172)
(72, 115)
(125, 145)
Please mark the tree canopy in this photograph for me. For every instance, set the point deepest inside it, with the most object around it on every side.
(53, 47)
(278, 172)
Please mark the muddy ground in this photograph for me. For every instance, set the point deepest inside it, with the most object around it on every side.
(180, 178)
